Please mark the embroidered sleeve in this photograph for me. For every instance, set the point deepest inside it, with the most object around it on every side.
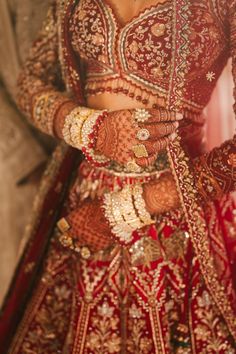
(216, 172)
(40, 87)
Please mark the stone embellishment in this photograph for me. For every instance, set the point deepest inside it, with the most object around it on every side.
(141, 115)
(211, 76)
(133, 167)
(140, 151)
(126, 212)
(68, 241)
(232, 160)
(143, 134)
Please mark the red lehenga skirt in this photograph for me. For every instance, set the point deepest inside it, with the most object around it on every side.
(148, 297)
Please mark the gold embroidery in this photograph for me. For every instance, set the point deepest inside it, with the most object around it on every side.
(104, 337)
(211, 76)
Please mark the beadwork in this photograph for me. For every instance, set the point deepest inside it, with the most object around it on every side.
(73, 126)
(126, 212)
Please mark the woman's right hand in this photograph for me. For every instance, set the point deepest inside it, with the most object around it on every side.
(120, 135)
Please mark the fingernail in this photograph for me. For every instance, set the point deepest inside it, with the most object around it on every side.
(173, 136)
(179, 116)
(176, 124)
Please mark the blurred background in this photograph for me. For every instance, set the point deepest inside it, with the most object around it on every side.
(24, 152)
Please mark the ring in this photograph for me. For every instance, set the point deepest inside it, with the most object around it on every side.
(132, 166)
(141, 115)
(140, 151)
(143, 134)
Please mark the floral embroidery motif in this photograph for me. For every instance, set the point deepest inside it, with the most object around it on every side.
(51, 309)
(210, 76)
(210, 329)
(104, 336)
(130, 300)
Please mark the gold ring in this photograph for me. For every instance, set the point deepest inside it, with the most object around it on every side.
(143, 134)
(140, 151)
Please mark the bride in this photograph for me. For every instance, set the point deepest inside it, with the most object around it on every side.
(132, 247)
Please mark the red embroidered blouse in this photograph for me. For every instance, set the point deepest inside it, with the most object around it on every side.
(136, 59)
(171, 54)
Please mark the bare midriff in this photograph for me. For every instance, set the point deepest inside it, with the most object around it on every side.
(124, 12)
(114, 101)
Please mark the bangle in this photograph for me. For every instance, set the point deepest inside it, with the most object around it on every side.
(127, 208)
(73, 124)
(45, 107)
(89, 135)
(126, 212)
(140, 205)
(113, 214)
(80, 130)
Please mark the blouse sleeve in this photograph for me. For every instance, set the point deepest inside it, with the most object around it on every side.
(41, 94)
(215, 172)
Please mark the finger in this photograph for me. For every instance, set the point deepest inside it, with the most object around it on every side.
(153, 147)
(163, 115)
(158, 130)
(146, 161)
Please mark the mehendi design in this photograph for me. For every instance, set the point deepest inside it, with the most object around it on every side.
(161, 195)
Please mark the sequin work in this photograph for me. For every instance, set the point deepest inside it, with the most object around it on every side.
(136, 58)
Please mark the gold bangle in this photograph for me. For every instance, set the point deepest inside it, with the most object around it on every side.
(140, 205)
(126, 211)
(72, 129)
(127, 208)
(45, 106)
(118, 226)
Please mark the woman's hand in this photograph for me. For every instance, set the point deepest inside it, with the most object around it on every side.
(121, 134)
(161, 196)
(89, 226)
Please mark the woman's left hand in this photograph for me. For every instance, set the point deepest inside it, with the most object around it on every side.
(161, 196)
(89, 227)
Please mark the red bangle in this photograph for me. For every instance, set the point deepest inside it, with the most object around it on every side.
(91, 140)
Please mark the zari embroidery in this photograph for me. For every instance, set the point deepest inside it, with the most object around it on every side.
(137, 58)
(141, 294)
(198, 230)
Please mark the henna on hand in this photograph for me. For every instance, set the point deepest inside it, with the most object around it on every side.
(89, 226)
(117, 135)
(161, 196)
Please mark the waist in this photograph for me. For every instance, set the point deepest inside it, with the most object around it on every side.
(92, 182)
(131, 94)
(115, 93)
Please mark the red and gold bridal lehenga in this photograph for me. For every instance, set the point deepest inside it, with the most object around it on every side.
(172, 288)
